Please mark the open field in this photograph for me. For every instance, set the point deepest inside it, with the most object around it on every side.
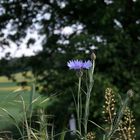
(10, 99)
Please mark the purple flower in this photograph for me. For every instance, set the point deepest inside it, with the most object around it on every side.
(79, 64)
(87, 64)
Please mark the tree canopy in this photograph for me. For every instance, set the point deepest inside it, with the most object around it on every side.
(109, 28)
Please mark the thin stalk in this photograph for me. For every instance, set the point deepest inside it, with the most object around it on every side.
(97, 125)
(104, 137)
(88, 97)
(52, 132)
(79, 105)
(43, 128)
(30, 102)
(25, 119)
(14, 121)
(110, 116)
(120, 114)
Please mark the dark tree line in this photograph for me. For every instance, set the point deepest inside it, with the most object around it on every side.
(113, 27)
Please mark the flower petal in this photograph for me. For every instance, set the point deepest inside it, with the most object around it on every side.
(87, 64)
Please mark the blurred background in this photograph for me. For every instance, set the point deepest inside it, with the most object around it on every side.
(38, 37)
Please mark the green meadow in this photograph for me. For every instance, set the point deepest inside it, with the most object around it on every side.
(11, 103)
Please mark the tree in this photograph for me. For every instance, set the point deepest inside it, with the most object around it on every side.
(113, 27)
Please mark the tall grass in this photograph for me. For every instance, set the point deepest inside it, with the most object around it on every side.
(118, 123)
(115, 115)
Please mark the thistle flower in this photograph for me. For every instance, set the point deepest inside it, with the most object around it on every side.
(79, 64)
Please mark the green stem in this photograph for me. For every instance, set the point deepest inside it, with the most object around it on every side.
(79, 105)
(25, 119)
(30, 102)
(120, 115)
(88, 97)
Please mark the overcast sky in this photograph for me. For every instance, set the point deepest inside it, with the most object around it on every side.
(18, 51)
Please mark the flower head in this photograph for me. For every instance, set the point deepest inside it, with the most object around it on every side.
(79, 64)
(87, 64)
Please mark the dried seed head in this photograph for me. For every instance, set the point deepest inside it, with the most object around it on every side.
(109, 106)
(126, 126)
(91, 136)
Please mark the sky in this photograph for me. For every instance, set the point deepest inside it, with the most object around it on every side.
(19, 51)
(23, 50)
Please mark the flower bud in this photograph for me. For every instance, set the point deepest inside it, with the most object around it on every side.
(93, 56)
(80, 73)
(130, 93)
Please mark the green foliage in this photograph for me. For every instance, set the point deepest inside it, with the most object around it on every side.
(111, 26)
